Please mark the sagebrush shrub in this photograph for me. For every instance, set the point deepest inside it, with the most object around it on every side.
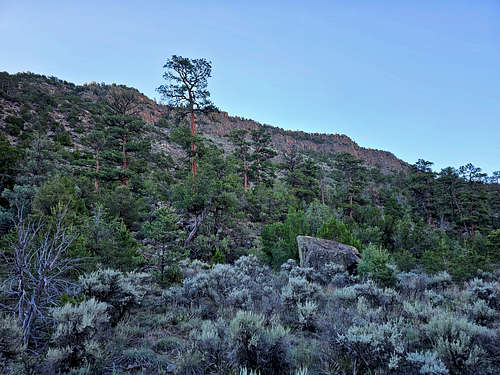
(244, 285)
(488, 292)
(266, 349)
(376, 346)
(428, 362)
(121, 291)
(77, 339)
(454, 338)
(11, 342)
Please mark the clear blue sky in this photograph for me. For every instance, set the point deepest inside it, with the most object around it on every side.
(418, 78)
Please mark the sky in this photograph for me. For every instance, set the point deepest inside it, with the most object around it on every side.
(418, 78)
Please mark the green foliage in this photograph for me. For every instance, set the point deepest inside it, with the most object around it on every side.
(63, 138)
(301, 174)
(166, 236)
(59, 191)
(261, 170)
(173, 274)
(279, 240)
(317, 214)
(111, 242)
(336, 230)
(494, 245)
(352, 172)
(101, 174)
(8, 161)
(375, 264)
(14, 125)
(121, 203)
(218, 257)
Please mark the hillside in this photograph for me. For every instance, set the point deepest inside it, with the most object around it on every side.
(131, 246)
(71, 104)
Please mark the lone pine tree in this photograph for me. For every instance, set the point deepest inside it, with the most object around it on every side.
(187, 87)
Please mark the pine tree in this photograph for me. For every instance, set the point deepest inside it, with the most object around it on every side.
(261, 168)
(301, 174)
(422, 186)
(165, 233)
(122, 120)
(352, 172)
(242, 145)
(187, 86)
(473, 198)
(96, 140)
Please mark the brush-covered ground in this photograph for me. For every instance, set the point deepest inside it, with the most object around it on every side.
(228, 319)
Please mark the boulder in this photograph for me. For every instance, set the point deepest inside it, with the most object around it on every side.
(316, 252)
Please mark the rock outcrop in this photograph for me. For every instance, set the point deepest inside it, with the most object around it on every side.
(22, 88)
(316, 252)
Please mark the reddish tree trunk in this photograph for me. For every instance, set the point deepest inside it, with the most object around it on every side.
(124, 153)
(322, 189)
(96, 180)
(245, 176)
(350, 197)
(193, 145)
(350, 204)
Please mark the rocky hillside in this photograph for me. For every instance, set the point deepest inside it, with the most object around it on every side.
(60, 105)
(284, 140)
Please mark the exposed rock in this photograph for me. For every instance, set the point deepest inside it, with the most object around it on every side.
(316, 252)
(214, 126)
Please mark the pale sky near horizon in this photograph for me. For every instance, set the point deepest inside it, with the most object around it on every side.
(418, 78)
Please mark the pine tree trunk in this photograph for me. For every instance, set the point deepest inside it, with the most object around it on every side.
(96, 180)
(124, 154)
(193, 144)
(350, 204)
(350, 197)
(245, 176)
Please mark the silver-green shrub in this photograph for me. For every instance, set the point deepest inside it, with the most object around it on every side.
(486, 291)
(121, 291)
(260, 348)
(77, 341)
(428, 362)
(11, 343)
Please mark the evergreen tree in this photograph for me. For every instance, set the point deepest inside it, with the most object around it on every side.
(352, 172)
(187, 86)
(165, 234)
(422, 187)
(8, 161)
(122, 121)
(473, 199)
(97, 141)
(242, 145)
(302, 175)
(261, 168)
(447, 187)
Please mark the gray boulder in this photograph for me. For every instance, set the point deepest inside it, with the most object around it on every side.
(316, 252)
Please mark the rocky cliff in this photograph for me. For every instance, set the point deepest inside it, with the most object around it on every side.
(66, 103)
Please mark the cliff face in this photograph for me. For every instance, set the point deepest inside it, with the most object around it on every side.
(71, 103)
(284, 140)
